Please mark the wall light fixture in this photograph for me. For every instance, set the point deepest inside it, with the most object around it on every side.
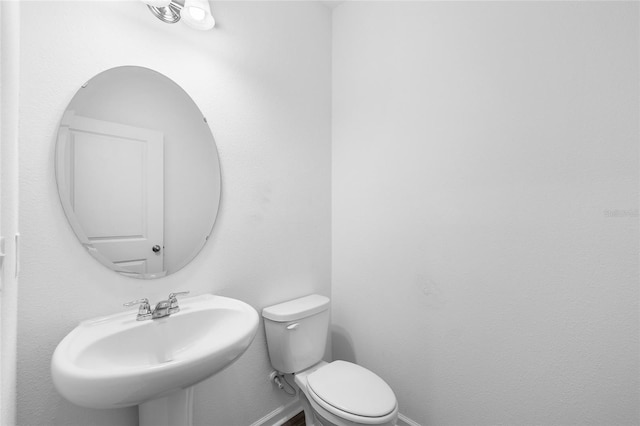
(195, 13)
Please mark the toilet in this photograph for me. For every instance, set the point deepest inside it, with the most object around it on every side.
(337, 393)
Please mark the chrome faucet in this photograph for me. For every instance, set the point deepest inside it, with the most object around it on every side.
(164, 308)
(144, 312)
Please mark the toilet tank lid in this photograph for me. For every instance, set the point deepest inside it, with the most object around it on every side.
(297, 308)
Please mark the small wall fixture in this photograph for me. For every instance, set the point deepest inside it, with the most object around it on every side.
(195, 13)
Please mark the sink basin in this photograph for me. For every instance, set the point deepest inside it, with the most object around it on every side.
(116, 361)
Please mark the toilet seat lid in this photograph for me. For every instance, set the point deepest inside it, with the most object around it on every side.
(353, 389)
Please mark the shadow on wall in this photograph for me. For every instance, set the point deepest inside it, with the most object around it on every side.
(342, 345)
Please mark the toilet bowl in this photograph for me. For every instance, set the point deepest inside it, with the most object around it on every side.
(345, 394)
(338, 393)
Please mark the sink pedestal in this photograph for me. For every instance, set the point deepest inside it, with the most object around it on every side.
(171, 410)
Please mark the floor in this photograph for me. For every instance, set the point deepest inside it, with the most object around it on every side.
(297, 420)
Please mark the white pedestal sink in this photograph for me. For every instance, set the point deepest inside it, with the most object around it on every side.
(116, 361)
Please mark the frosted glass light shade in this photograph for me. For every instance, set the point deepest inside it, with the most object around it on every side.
(197, 14)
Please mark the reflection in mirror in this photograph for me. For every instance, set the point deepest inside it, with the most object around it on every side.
(138, 172)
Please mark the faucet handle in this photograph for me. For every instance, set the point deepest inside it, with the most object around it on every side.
(145, 309)
(179, 293)
(143, 301)
(173, 301)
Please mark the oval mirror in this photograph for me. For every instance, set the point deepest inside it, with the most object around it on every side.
(138, 172)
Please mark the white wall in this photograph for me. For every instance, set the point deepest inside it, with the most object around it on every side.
(9, 82)
(266, 95)
(480, 151)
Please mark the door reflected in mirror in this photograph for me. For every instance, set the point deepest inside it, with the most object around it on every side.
(138, 172)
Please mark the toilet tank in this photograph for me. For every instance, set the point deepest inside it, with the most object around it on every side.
(297, 332)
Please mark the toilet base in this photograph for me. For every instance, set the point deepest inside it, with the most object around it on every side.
(312, 418)
(309, 416)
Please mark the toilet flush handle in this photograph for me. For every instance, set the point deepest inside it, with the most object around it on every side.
(293, 326)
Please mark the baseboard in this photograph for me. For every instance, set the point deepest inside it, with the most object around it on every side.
(406, 421)
(280, 414)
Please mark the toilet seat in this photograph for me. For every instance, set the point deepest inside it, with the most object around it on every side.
(352, 392)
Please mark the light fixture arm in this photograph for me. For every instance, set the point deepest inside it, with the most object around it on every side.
(168, 13)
